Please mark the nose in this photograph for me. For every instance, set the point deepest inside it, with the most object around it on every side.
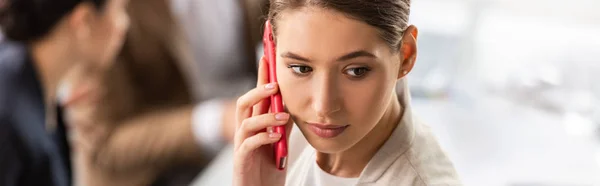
(325, 97)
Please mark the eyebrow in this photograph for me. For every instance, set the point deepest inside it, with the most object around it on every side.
(352, 55)
(356, 54)
(294, 56)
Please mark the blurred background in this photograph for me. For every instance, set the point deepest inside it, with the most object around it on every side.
(510, 87)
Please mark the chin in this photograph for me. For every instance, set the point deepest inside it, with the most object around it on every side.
(328, 149)
(328, 145)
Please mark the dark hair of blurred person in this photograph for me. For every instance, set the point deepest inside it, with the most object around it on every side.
(43, 39)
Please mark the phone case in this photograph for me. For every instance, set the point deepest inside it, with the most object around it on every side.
(280, 147)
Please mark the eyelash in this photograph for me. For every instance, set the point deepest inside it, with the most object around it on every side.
(304, 70)
(296, 68)
(366, 70)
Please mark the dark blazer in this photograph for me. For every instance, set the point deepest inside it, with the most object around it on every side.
(29, 153)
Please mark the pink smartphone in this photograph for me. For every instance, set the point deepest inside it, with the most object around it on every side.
(280, 147)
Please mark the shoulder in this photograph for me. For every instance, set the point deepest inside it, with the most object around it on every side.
(12, 57)
(427, 159)
(424, 163)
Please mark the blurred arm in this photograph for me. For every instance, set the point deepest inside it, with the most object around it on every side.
(154, 140)
(167, 137)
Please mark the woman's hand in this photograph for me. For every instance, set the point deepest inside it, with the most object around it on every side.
(254, 162)
(80, 108)
(89, 134)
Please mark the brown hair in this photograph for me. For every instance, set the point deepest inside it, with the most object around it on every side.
(147, 73)
(390, 17)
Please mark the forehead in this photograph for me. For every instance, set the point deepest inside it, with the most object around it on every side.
(323, 33)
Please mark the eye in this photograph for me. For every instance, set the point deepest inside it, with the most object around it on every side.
(357, 72)
(301, 69)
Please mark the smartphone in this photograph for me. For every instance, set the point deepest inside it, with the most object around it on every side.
(280, 147)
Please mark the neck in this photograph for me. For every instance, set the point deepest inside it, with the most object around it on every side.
(351, 162)
(51, 58)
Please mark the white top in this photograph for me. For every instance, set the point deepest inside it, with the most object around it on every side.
(317, 177)
(206, 125)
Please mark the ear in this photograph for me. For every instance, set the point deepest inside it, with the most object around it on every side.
(80, 20)
(408, 51)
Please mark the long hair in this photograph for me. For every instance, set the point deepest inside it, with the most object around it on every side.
(147, 74)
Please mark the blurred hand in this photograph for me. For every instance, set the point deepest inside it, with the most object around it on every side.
(89, 135)
(81, 110)
(229, 124)
(254, 163)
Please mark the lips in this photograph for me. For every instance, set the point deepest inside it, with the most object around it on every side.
(327, 130)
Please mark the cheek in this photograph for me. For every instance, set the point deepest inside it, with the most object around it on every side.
(366, 101)
(294, 90)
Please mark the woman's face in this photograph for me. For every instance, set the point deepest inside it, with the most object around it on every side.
(107, 31)
(336, 76)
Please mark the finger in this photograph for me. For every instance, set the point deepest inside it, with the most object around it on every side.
(258, 124)
(263, 78)
(81, 121)
(78, 118)
(263, 72)
(81, 144)
(247, 101)
(254, 142)
(85, 91)
(78, 94)
(262, 107)
(289, 125)
(92, 139)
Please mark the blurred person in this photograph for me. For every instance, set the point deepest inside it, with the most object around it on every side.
(338, 64)
(133, 122)
(136, 140)
(137, 123)
(43, 39)
(223, 36)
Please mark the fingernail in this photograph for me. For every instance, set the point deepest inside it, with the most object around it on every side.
(275, 135)
(281, 116)
(270, 86)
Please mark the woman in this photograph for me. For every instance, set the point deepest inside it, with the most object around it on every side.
(44, 39)
(338, 63)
